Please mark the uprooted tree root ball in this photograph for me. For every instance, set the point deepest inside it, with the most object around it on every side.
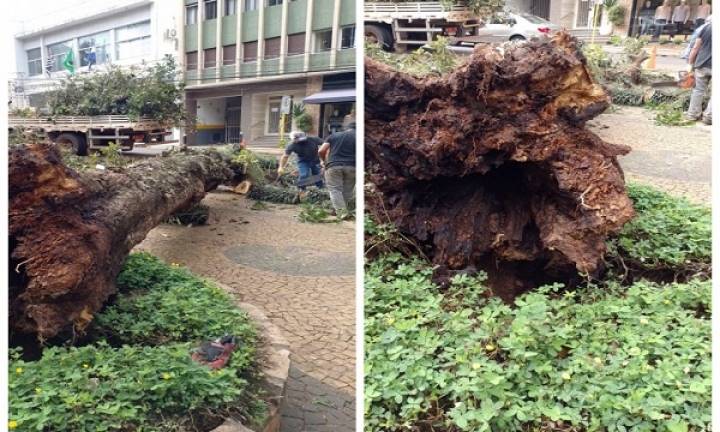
(70, 232)
(490, 167)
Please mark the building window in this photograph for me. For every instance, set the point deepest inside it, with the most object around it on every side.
(191, 14)
(210, 9)
(272, 48)
(323, 41)
(209, 58)
(94, 49)
(347, 37)
(230, 7)
(34, 57)
(296, 44)
(191, 60)
(133, 41)
(251, 5)
(229, 55)
(250, 51)
(273, 126)
(274, 2)
(56, 55)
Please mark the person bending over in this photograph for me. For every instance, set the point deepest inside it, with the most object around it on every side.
(306, 149)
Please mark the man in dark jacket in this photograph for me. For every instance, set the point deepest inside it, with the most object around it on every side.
(338, 152)
(306, 149)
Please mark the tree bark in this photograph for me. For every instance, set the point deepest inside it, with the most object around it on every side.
(490, 167)
(70, 233)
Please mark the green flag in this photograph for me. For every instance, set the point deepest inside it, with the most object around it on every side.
(69, 63)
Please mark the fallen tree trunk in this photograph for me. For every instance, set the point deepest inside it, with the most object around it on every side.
(70, 233)
(491, 166)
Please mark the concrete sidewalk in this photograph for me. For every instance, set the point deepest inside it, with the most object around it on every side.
(668, 59)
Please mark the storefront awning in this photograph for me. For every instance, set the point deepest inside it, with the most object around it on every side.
(331, 96)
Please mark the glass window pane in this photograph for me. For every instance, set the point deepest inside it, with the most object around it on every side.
(251, 5)
(229, 55)
(35, 67)
(210, 10)
(209, 58)
(323, 40)
(137, 48)
(273, 126)
(133, 31)
(191, 60)
(272, 48)
(348, 37)
(59, 48)
(250, 51)
(191, 14)
(94, 49)
(296, 44)
(96, 55)
(34, 54)
(56, 55)
(230, 7)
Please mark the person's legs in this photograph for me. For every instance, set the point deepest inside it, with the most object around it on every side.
(303, 172)
(702, 79)
(707, 114)
(659, 24)
(348, 184)
(334, 180)
(316, 171)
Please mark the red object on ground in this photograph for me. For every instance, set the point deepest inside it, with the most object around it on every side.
(215, 362)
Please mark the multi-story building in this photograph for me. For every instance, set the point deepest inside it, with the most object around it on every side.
(243, 56)
(123, 32)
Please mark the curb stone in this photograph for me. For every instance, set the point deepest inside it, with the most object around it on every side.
(275, 369)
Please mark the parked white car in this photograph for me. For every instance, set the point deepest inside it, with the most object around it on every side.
(516, 27)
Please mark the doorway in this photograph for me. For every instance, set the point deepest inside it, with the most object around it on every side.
(233, 130)
(582, 13)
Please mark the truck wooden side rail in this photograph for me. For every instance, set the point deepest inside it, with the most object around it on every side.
(399, 24)
(83, 133)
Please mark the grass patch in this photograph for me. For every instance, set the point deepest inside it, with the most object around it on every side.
(619, 358)
(138, 375)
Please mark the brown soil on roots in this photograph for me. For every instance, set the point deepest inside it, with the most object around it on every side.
(71, 232)
(491, 167)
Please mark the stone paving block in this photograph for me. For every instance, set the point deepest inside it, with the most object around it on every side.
(315, 312)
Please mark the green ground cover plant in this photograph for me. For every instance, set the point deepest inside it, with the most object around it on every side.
(317, 213)
(668, 233)
(613, 359)
(137, 373)
(618, 354)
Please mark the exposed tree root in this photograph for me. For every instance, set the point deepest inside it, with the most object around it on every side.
(491, 166)
(70, 233)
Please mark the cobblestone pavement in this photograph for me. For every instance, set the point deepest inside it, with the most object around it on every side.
(674, 159)
(302, 276)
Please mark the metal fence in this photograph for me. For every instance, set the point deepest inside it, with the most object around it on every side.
(233, 134)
